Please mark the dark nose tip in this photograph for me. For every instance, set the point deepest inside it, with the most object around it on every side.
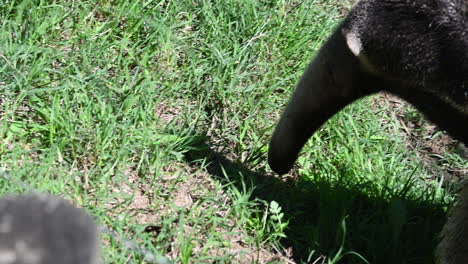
(280, 165)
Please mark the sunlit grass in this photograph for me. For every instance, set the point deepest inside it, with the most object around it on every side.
(155, 116)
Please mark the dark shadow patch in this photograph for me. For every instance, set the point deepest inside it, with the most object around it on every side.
(391, 230)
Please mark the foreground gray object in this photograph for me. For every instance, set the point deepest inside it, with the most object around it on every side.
(453, 247)
(417, 50)
(43, 229)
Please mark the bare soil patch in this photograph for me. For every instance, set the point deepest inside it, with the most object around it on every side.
(181, 188)
(428, 142)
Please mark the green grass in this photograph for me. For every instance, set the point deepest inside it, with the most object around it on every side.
(155, 116)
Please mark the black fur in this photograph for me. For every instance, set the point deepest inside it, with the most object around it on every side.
(416, 49)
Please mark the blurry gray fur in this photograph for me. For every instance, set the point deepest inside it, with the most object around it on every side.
(43, 229)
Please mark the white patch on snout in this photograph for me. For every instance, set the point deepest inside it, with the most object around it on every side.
(354, 43)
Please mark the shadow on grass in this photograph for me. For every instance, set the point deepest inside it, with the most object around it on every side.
(397, 230)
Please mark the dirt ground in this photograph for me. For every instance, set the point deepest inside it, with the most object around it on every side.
(425, 139)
